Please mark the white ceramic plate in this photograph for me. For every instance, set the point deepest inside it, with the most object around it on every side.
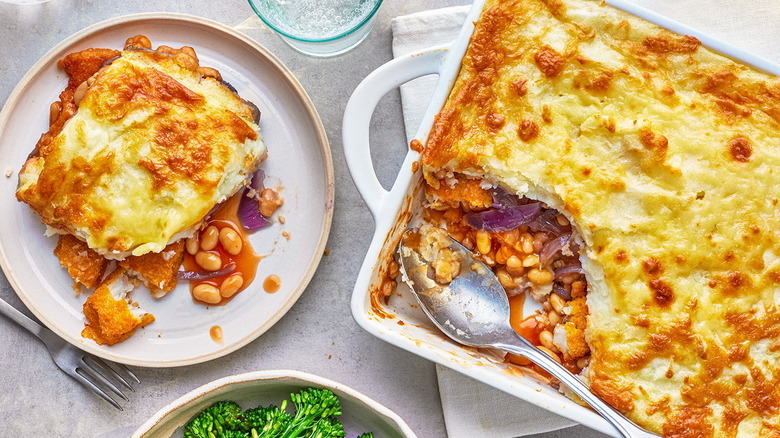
(360, 413)
(298, 159)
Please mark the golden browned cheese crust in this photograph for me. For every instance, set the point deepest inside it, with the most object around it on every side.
(665, 158)
(151, 148)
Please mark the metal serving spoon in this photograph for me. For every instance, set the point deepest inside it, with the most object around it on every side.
(473, 310)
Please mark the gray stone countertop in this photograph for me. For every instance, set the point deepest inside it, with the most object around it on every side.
(318, 335)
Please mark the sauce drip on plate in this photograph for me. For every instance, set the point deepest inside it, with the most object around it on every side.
(216, 334)
(272, 284)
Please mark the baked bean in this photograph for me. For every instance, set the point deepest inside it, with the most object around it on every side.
(519, 360)
(514, 266)
(54, 111)
(557, 303)
(562, 221)
(81, 90)
(538, 241)
(546, 338)
(550, 353)
(540, 276)
(269, 202)
(500, 257)
(583, 362)
(231, 285)
(527, 243)
(554, 318)
(531, 260)
(393, 269)
(206, 293)
(468, 242)
(192, 245)
(209, 238)
(230, 240)
(484, 243)
(388, 287)
(208, 261)
(505, 279)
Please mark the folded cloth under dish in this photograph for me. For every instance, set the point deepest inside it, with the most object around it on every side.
(472, 409)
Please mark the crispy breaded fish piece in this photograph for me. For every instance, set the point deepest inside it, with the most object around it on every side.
(157, 270)
(111, 315)
(84, 265)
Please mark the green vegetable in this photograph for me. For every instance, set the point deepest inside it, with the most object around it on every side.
(311, 405)
(327, 428)
(214, 421)
(267, 422)
(315, 412)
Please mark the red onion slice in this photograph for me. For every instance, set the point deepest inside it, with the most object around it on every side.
(560, 290)
(503, 198)
(198, 276)
(551, 247)
(568, 269)
(548, 223)
(249, 215)
(504, 219)
(257, 181)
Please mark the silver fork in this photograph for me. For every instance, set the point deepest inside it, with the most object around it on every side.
(88, 370)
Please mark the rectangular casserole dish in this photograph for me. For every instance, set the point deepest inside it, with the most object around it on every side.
(400, 322)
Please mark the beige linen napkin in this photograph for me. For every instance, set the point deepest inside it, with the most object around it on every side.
(472, 409)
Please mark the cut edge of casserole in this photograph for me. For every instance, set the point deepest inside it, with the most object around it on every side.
(663, 156)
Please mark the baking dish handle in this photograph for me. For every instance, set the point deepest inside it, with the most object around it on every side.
(360, 108)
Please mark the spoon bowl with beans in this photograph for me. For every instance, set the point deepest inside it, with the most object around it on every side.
(465, 300)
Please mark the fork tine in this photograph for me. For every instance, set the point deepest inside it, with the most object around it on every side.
(111, 372)
(88, 383)
(95, 372)
(127, 370)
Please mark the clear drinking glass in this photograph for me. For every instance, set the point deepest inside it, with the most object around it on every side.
(319, 27)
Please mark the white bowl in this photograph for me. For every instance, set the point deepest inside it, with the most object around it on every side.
(360, 413)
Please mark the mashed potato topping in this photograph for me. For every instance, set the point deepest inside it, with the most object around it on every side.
(151, 149)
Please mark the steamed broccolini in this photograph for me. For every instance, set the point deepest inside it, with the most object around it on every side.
(213, 421)
(315, 410)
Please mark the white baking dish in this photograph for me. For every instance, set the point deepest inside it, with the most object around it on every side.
(400, 322)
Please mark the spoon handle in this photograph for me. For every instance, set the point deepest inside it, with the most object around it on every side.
(519, 345)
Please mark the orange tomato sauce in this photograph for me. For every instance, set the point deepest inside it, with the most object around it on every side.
(245, 262)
